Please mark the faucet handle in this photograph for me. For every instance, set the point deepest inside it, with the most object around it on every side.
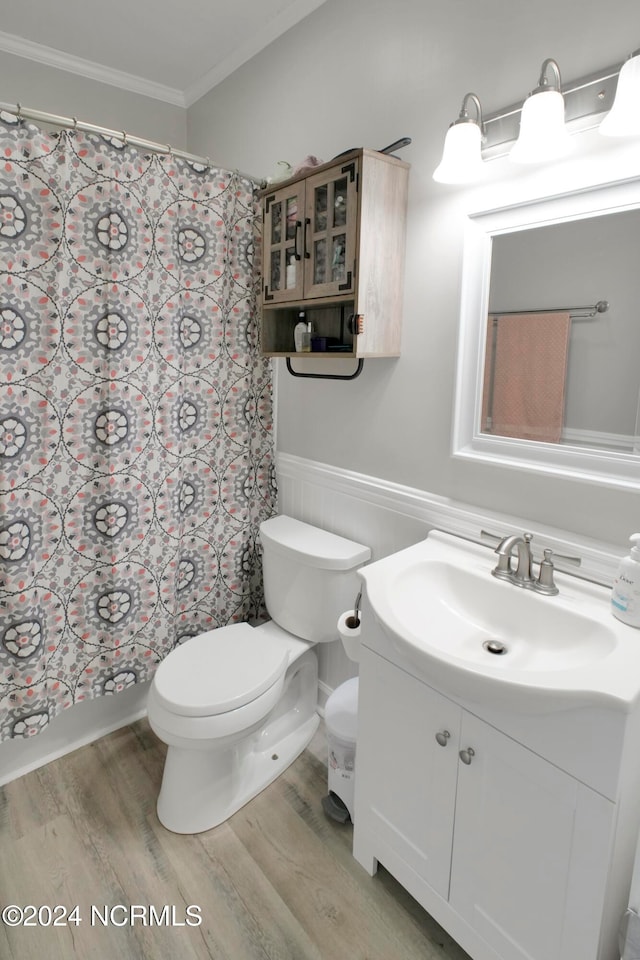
(545, 582)
(503, 569)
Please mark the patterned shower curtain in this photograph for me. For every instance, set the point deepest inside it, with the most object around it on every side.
(136, 456)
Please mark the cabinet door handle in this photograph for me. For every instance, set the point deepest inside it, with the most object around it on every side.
(306, 254)
(467, 755)
(296, 255)
(442, 737)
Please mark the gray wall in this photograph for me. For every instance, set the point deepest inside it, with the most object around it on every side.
(363, 73)
(56, 91)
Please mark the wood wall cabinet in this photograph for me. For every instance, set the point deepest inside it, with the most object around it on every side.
(333, 247)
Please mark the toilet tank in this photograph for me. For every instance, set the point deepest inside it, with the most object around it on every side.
(309, 576)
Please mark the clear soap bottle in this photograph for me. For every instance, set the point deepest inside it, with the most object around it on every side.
(301, 334)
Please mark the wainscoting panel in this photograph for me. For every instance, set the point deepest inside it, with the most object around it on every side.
(388, 517)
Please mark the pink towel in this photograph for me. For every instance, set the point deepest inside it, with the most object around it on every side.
(524, 393)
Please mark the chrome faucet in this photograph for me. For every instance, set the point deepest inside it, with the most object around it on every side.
(522, 575)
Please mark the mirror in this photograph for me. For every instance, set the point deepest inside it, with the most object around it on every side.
(549, 356)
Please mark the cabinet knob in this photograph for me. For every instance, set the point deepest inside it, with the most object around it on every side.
(442, 736)
(467, 755)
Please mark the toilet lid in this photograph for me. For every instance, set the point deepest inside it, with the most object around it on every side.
(218, 671)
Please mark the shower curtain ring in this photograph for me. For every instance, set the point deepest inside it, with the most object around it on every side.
(18, 111)
(75, 124)
(124, 137)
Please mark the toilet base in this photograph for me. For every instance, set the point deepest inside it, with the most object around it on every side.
(203, 786)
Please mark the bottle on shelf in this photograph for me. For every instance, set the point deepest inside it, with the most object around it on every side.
(300, 334)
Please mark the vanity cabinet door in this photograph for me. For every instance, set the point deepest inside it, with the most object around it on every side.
(282, 240)
(531, 849)
(406, 770)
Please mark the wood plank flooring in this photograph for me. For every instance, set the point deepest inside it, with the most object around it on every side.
(275, 882)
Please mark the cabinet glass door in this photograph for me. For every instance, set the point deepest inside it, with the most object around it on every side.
(330, 231)
(282, 242)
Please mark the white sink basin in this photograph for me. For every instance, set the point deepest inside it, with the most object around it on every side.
(487, 639)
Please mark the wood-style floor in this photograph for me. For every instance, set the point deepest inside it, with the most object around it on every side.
(275, 882)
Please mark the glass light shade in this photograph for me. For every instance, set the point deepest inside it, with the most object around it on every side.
(543, 135)
(461, 157)
(623, 120)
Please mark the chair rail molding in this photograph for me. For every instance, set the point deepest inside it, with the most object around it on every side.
(389, 516)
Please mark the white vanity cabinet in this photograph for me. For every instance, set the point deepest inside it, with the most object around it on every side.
(508, 851)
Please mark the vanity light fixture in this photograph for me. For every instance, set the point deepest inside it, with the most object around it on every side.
(538, 125)
(623, 120)
(543, 134)
(461, 157)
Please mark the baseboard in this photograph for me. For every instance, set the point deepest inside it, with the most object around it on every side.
(76, 727)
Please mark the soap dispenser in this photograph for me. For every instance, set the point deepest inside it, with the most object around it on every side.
(625, 598)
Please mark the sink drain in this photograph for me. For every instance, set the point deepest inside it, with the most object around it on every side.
(496, 647)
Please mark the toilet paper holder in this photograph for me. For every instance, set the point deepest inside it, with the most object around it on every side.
(353, 620)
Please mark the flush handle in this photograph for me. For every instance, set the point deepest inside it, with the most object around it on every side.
(442, 736)
(467, 755)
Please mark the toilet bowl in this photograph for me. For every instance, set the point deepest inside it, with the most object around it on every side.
(237, 705)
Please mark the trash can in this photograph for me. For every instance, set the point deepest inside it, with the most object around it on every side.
(341, 723)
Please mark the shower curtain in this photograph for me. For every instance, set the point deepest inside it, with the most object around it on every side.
(136, 456)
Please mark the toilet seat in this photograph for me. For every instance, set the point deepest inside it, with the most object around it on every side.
(218, 671)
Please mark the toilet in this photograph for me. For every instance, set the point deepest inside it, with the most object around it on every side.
(237, 705)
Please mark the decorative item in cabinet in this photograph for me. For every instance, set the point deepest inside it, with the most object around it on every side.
(333, 246)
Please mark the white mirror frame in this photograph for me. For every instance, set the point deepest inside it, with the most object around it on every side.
(611, 468)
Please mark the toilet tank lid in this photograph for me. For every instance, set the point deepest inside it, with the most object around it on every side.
(311, 545)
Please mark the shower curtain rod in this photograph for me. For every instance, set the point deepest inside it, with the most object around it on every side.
(74, 124)
(587, 313)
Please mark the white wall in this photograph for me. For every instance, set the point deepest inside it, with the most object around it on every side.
(66, 94)
(365, 72)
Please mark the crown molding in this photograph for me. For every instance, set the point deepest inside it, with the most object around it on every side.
(91, 71)
(50, 57)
